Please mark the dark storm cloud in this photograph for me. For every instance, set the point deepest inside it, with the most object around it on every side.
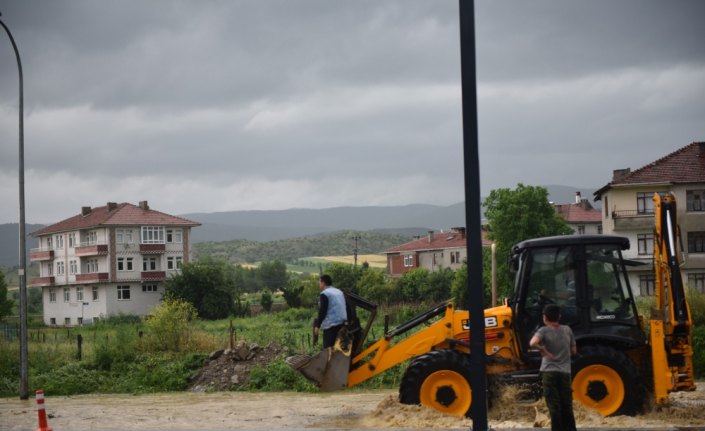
(221, 105)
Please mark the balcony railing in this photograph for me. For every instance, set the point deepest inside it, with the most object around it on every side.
(632, 213)
(153, 275)
(93, 277)
(152, 248)
(38, 254)
(91, 249)
(43, 281)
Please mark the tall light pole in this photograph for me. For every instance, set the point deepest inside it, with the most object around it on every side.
(24, 381)
(356, 238)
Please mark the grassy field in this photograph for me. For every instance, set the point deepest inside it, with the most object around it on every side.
(315, 264)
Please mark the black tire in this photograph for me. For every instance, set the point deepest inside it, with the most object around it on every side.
(606, 380)
(439, 379)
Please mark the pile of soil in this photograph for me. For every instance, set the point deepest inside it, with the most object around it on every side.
(225, 369)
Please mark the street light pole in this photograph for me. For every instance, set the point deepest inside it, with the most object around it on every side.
(24, 381)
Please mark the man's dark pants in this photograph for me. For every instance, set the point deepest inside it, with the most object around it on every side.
(329, 336)
(559, 399)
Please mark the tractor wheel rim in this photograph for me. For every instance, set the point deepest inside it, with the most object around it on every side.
(600, 388)
(447, 392)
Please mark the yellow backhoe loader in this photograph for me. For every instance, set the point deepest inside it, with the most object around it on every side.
(617, 367)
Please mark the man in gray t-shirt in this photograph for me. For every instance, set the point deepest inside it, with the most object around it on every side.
(556, 343)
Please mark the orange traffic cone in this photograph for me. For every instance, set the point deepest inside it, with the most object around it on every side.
(41, 412)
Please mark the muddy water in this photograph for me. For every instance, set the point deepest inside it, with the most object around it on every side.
(350, 409)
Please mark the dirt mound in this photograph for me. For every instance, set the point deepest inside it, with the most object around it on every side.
(225, 369)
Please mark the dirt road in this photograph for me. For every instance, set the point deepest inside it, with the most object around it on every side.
(349, 409)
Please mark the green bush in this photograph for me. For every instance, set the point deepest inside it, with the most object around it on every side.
(277, 376)
(109, 353)
(698, 335)
(696, 301)
(69, 379)
(168, 328)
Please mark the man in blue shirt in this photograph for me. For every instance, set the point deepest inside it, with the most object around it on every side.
(332, 313)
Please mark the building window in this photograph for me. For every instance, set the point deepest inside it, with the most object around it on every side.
(454, 257)
(67, 320)
(72, 240)
(49, 243)
(91, 238)
(152, 234)
(697, 281)
(174, 262)
(52, 321)
(581, 229)
(696, 242)
(645, 242)
(124, 264)
(80, 320)
(60, 268)
(67, 294)
(95, 293)
(91, 266)
(174, 235)
(408, 260)
(599, 229)
(123, 293)
(123, 236)
(149, 264)
(50, 269)
(52, 295)
(149, 288)
(645, 202)
(647, 285)
(59, 242)
(73, 267)
(79, 294)
(695, 200)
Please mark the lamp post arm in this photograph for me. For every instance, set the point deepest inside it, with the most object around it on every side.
(24, 375)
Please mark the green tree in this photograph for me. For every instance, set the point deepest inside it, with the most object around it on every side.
(517, 215)
(6, 304)
(266, 300)
(438, 285)
(344, 276)
(273, 275)
(412, 283)
(208, 285)
(292, 293)
(373, 286)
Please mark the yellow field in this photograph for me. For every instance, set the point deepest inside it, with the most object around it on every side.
(374, 260)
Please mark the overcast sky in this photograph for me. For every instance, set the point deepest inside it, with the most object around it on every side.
(205, 106)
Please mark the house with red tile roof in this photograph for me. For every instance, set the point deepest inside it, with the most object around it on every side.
(581, 216)
(434, 251)
(108, 260)
(628, 210)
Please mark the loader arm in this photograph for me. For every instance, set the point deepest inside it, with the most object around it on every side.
(383, 355)
(670, 325)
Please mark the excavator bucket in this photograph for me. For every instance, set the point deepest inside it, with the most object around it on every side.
(329, 368)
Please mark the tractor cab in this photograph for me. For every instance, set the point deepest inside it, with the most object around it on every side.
(586, 276)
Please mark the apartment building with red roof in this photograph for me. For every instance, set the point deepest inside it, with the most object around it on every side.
(108, 260)
(628, 210)
(581, 216)
(434, 251)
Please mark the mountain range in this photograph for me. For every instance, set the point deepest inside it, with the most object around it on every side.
(292, 223)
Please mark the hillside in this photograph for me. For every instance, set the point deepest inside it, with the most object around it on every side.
(330, 244)
(250, 226)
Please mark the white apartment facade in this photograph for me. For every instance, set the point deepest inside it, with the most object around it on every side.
(108, 260)
(628, 210)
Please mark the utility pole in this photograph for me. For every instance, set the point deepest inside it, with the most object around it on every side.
(471, 167)
(24, 363)
(356, 238)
